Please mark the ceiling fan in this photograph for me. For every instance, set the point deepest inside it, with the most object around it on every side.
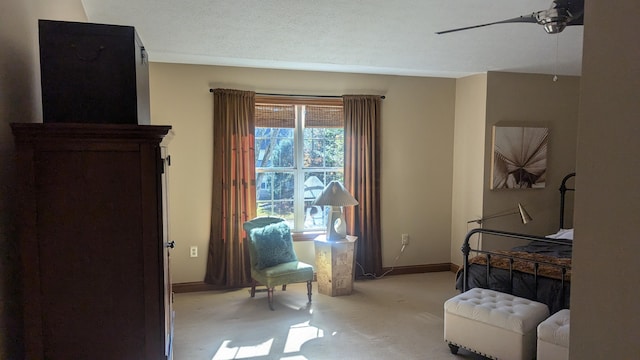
(561, 14)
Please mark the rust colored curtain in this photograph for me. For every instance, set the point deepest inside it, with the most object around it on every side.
(234, 181)
(362, 178)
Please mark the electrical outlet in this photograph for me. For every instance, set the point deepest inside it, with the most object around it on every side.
(193, 251)
(405, 239)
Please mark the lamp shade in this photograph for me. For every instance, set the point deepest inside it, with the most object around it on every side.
(524, 215)
(335, 194)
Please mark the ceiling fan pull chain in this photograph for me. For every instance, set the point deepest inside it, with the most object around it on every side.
(555, 76)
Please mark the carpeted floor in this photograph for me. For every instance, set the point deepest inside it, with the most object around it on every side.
(396, 317)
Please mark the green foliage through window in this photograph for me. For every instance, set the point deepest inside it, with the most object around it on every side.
(294, 163)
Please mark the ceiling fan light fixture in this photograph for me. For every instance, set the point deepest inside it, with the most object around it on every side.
(554, 28)
(554, 20)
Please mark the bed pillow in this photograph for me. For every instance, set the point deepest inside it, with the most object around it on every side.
(272, 245)
(562, 234)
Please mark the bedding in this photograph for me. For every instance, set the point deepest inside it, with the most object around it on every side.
(561, 248)
(562, 234)
(548, 266)
(539, 270)
(552, 292)
(544, 283)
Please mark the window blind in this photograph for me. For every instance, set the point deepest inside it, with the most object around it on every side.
(283, 116)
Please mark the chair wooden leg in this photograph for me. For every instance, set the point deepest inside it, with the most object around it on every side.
(309, 290)
(284, 287)
(270, 298)
(253, 288)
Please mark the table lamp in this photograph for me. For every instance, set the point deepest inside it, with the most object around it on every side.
(524, 216)
(335, 196)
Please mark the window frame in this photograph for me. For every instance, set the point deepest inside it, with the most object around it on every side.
(298, 231)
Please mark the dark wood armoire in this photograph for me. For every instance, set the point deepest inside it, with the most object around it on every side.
(94, 249)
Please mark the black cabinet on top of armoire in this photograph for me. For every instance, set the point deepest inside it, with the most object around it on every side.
(93, 73)
(92, 238)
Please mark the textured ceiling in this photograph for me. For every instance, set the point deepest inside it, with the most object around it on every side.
(395, 37)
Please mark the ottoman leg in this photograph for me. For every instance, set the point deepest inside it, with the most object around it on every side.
(453, 348)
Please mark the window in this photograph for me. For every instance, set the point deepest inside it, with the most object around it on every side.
(299, 148)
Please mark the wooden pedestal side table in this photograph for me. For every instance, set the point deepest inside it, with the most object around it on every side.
(335, 261)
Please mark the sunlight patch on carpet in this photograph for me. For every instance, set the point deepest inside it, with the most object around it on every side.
(300, 334)
(242, 352)
(429, 318)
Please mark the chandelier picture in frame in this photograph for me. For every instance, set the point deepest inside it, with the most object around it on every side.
(519, 157)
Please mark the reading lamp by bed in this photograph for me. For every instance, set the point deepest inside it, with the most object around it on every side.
(524, 216)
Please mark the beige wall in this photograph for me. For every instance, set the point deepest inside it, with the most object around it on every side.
(531, 100)
(604, 298)
(468, 159)
(417, 154)
(604, 292)
(510, 99)
(19, 102)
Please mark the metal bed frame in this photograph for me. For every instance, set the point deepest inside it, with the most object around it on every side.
(563, 192)
(466, 248)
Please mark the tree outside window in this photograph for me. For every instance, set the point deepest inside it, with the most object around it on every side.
(299, 149)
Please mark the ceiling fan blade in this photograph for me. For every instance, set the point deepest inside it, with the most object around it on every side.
(531, 18)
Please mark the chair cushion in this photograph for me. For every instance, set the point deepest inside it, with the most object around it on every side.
(259, 222)
(287, 273)
(273, 245)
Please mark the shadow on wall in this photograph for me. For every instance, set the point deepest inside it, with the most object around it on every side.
(20, 102)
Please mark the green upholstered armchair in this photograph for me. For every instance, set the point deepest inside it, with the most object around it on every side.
(273, 260)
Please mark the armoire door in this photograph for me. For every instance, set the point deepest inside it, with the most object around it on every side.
(168, 245)
(91, 241)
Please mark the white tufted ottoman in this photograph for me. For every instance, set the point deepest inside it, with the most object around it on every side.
(493, 324)
(553, 337)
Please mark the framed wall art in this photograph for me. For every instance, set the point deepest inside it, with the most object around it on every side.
(519, 157)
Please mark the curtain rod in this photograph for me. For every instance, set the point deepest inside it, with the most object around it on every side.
(307, 96)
